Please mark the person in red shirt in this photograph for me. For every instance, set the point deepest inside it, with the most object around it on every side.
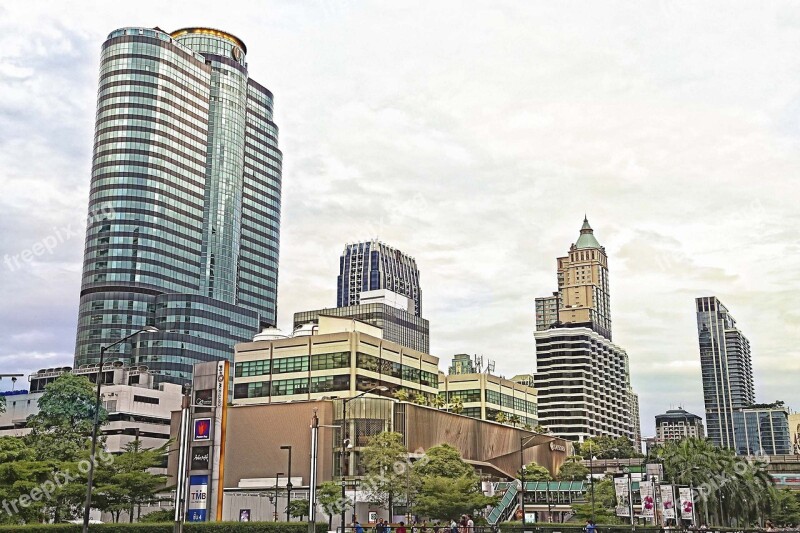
(401, 528)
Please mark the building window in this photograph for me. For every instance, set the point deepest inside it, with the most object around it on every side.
(328, 361)
(288, 387)
(290, 364)
(251, 368)
(146, 399)
(329, 383)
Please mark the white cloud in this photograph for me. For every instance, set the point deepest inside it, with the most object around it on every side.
(474, 137)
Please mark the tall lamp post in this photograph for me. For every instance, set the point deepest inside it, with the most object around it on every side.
(591, 474)
(288, 484)
(524, 441)
(96, 422)
(346, 441)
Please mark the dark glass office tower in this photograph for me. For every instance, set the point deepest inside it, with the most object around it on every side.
(726, 368)
(373, 265)
(184, 202)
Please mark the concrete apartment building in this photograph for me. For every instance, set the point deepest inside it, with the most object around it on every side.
(486, 397)
(678, 424)
(341, 358)
(135, 408)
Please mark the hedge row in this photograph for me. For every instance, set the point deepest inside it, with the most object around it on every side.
(210, 527)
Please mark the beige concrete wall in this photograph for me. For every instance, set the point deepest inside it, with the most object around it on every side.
(479, 440)
(256, 433)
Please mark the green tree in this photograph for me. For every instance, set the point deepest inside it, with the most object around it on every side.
(500, 417)
(606, 447)
(20, 473)
(329, 497)
(443, 461)
(786, 508)
(2, 404)
(536, 472)
(573, 469)
(448, 486)
(126, 484)
(732, 489)
(162, 515)
(438, 401)
(540, 429)
(441, 498)
(420, 399)
(603, 510)
(457, 405)
(298, 508)
(62, 426)
(401, 394)
(514, 420)
(385, 478)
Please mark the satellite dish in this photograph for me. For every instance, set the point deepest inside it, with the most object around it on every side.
(143, 368)
(118, 364)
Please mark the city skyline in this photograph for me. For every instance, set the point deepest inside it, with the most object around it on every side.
(455, 157)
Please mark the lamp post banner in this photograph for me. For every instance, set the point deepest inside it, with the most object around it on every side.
(668, 501)
(687, 503)
(623, 496)
(648, 500)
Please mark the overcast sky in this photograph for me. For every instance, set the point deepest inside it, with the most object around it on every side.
(473, 136)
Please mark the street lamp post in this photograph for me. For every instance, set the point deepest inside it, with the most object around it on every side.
(288, 484)
(345, 442)
(523, 441)
(90, 476)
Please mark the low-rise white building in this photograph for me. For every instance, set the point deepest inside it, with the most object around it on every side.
(135, 408)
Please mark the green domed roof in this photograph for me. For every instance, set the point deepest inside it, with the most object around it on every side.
(587, 238)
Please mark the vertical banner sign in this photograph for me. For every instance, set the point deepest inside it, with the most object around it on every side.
(648, 500)
(687, 503)
(198, 499)
(220, 429)
(623, 496)
(668, 502)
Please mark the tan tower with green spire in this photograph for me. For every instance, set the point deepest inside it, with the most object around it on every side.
(583, 284)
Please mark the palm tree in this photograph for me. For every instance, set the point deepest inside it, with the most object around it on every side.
(500, 417)
(420, 399)
(402, 395)
(514, 420)
(730, 487)
(438, 401)
(457, 405)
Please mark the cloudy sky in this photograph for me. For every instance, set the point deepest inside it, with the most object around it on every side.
(474, 136)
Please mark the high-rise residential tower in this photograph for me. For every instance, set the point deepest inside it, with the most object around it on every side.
(185, 202)
(582, 378)
(727, 371)
(373, 265)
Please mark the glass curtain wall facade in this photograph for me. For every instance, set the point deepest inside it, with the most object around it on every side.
(184, 202)
(726, 369)
(763, 432)
(372, 265)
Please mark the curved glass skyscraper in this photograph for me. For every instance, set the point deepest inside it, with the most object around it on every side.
(184, 204)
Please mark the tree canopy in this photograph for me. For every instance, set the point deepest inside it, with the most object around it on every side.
(573, 469)
(448, 486)
(536, 472)
(607, 447)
